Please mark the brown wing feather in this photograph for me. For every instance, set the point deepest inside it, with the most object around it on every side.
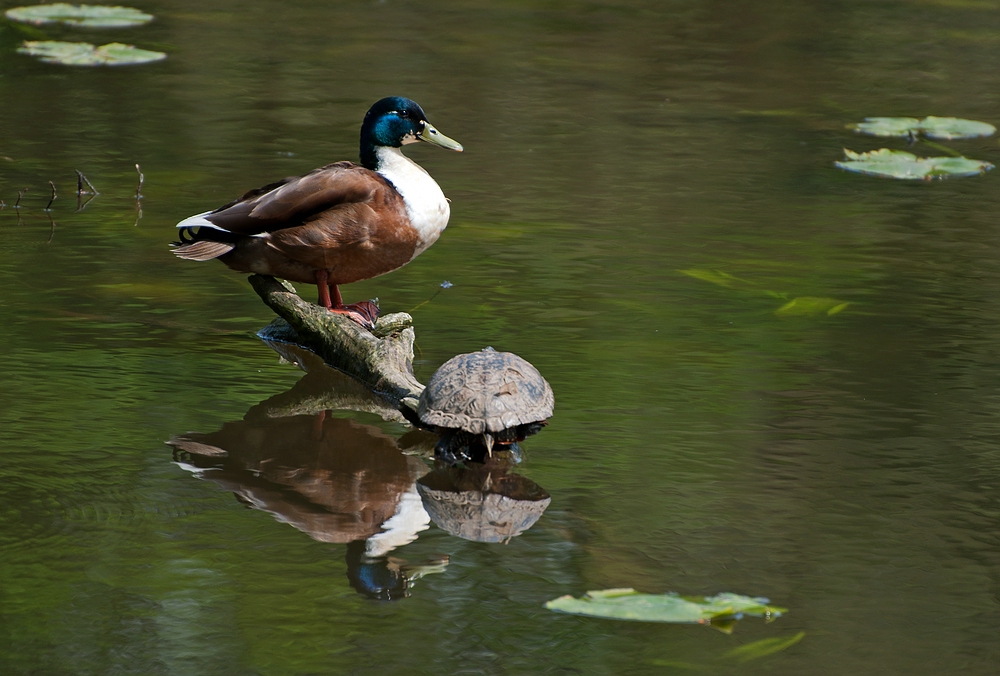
(352, 241)
(204, 250)
(292, 202)
(325, 239)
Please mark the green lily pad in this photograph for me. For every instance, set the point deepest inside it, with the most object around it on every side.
(948, 128)
(903, 165)
(628, 604)
(90, 16)
(939, 128)
(895, 127)
(85, 54)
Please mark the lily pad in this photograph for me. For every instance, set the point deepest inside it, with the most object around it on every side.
(85, 54)
(948, 128)
(903, 165)
(894, 127)
(939, 128)
(628, 604)
(89, 16)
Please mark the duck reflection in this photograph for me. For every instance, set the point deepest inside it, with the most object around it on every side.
(332, 478)
(344, 482)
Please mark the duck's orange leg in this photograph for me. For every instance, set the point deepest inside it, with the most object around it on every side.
(364, 313)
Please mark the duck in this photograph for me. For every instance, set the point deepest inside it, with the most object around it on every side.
(337, 224)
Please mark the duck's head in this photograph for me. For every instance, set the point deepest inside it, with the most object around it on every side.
(396, 121)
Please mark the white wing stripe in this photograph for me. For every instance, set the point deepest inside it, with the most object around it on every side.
(199, 221)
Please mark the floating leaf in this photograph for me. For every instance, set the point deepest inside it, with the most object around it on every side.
(940, 128)
(901, 127)
(763, 647)
(811, 305)
(900, 164)
(90, 16)
(628, 604)
(715, 277)
(948, 128)
(85, 54)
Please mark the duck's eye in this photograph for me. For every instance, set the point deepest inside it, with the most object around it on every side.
(404, 114)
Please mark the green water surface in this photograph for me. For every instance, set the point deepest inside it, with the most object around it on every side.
(772, 378)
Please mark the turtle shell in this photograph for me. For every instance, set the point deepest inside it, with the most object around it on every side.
(485, 391)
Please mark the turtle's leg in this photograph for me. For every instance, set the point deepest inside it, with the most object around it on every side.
(364, 313)
(450, 449)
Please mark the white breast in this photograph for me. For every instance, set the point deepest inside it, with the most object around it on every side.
(425, 203)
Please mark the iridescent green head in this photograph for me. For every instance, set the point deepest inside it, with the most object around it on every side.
(396, 121)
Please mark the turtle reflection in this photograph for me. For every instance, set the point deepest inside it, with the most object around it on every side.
(484, 503)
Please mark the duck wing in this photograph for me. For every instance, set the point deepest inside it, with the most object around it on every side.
(331, 238)
(293, 201)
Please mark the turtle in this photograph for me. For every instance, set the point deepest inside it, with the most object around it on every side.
(483, 398)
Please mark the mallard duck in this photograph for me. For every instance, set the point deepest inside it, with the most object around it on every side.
(338, 224)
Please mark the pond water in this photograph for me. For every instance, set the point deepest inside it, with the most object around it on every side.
(646, 189)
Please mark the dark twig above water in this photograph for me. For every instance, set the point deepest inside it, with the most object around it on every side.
(48, 207)
(142, 180)
(81, 180)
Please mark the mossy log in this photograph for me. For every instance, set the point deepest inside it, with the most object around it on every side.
(382, 360)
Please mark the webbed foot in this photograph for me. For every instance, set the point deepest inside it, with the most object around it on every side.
(365, 313)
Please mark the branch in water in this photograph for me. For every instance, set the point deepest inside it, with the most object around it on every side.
(382, 360)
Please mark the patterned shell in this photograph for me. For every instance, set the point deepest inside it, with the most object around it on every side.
(485, 391)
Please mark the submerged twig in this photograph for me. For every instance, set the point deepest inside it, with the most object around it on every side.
(80, 204)
(52, 231)
(48, 207)
(138, 194)
(80, 181)
(942, 148)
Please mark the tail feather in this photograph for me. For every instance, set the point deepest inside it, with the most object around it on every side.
(204, 250)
